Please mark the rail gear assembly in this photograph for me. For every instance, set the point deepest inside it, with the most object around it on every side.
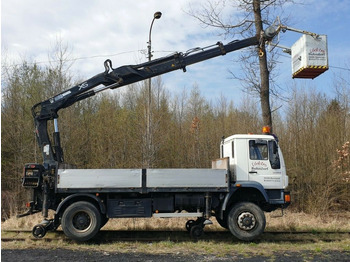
(248, 179)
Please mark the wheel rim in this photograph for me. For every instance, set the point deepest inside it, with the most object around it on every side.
(39, 231)
(81, 221)
(246, 221)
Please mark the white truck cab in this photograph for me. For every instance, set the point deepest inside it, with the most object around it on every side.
(255, 158)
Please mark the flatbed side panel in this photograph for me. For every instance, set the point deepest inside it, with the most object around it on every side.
(99, 178)
(186, 178)
(186, 189)
(143, 191)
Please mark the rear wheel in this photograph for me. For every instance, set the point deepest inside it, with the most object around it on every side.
(81, 221)
(246, 221)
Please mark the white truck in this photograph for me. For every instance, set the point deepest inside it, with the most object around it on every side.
(248, 179)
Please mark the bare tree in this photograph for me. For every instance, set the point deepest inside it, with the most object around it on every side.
(249, 18)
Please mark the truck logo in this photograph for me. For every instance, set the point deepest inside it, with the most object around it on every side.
(259, 165)
(83, 85)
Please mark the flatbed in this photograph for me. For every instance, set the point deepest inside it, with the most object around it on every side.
(143, 180)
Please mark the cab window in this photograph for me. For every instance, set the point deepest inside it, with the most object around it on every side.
(274, 156)
(258, 150)
(265, 150)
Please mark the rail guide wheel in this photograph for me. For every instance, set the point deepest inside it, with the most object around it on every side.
(196, 227)
(39, 231)
(189, 224)
(196, 231)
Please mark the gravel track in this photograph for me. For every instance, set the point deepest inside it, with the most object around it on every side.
(69, 255)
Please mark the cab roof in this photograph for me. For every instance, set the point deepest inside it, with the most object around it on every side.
(249, 136)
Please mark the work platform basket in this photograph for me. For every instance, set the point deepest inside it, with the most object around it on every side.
(309, 56)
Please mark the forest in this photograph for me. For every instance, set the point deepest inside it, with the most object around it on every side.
(109, 131)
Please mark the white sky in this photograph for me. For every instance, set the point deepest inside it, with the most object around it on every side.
(97, 30)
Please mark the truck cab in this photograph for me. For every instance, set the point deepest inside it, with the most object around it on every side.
(255, 158)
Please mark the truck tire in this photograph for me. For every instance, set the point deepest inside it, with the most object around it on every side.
(81, 221)
(246, 221)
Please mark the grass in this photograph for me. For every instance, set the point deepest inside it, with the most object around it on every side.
(211, 247)
(301, 222)
(291, 222)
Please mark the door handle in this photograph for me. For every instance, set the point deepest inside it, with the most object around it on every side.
(253, 172)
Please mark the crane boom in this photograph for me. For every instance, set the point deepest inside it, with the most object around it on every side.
(113, 78)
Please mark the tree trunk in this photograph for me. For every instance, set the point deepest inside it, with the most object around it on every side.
(264, 72)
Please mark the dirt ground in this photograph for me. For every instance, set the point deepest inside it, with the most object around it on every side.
(69, 255)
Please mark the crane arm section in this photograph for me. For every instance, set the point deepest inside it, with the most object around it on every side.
(113, 78)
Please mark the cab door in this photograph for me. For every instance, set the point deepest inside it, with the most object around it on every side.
(264, 164)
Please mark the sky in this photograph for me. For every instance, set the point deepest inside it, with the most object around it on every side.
(118, 30)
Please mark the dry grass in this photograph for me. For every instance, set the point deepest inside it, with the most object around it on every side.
(290, 222)
(293, 222)
(211, 248)
(285, 243)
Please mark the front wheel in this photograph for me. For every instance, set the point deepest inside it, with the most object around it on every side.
(246, 221)
(81, 221)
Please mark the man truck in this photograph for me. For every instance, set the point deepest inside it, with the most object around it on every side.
(247, 180)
